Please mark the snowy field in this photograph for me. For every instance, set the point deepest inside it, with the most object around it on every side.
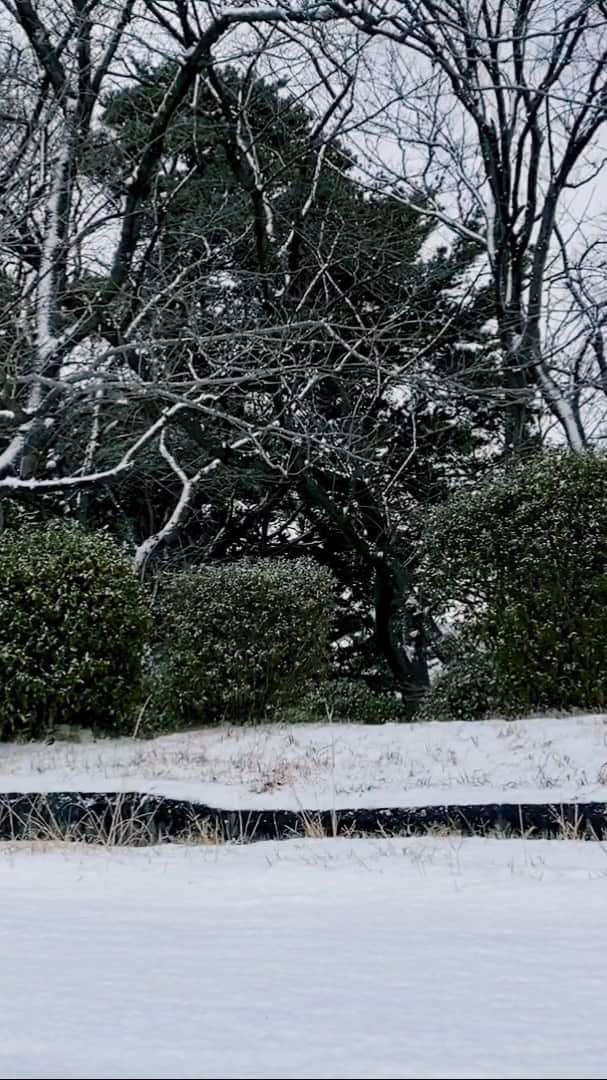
(320, 959)
(321, 766)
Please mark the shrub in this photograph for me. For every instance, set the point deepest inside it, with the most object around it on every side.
(524, 558)
(345, 701)
(465, 690)
(73, 621)
(237, 640)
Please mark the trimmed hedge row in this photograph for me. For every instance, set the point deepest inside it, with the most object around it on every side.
(80, 643)
(523, 559)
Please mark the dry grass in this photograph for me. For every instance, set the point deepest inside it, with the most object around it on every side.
(123, 825)
(113, 828)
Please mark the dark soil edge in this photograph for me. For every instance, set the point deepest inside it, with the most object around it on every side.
(134, 818)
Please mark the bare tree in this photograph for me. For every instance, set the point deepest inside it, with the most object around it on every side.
(72, 249)
(579, 307)
(496, 111)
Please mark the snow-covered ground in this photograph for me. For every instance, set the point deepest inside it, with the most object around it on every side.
(321, 766)
(319, 959)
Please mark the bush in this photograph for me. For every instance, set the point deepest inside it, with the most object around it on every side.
(524, 558)
(73, 621)
(236, 641)
(345, 701)
(465, 690)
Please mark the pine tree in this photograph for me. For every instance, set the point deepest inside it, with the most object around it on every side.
(332, 282)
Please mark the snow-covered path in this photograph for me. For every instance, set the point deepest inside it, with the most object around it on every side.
(319, 959)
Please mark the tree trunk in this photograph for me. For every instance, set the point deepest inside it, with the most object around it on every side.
(399, 621)
(400, 638)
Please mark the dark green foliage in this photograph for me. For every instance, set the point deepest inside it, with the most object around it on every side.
(345, 701)
(236, 640)
(525, 559)
(465, 690)
(73, 623)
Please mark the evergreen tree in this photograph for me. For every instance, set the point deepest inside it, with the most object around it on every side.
(366, 366)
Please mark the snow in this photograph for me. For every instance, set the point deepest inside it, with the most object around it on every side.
(333, 765)
(319, 959)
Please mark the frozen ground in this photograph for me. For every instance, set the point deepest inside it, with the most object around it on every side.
(320, 766)
(318, 959)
